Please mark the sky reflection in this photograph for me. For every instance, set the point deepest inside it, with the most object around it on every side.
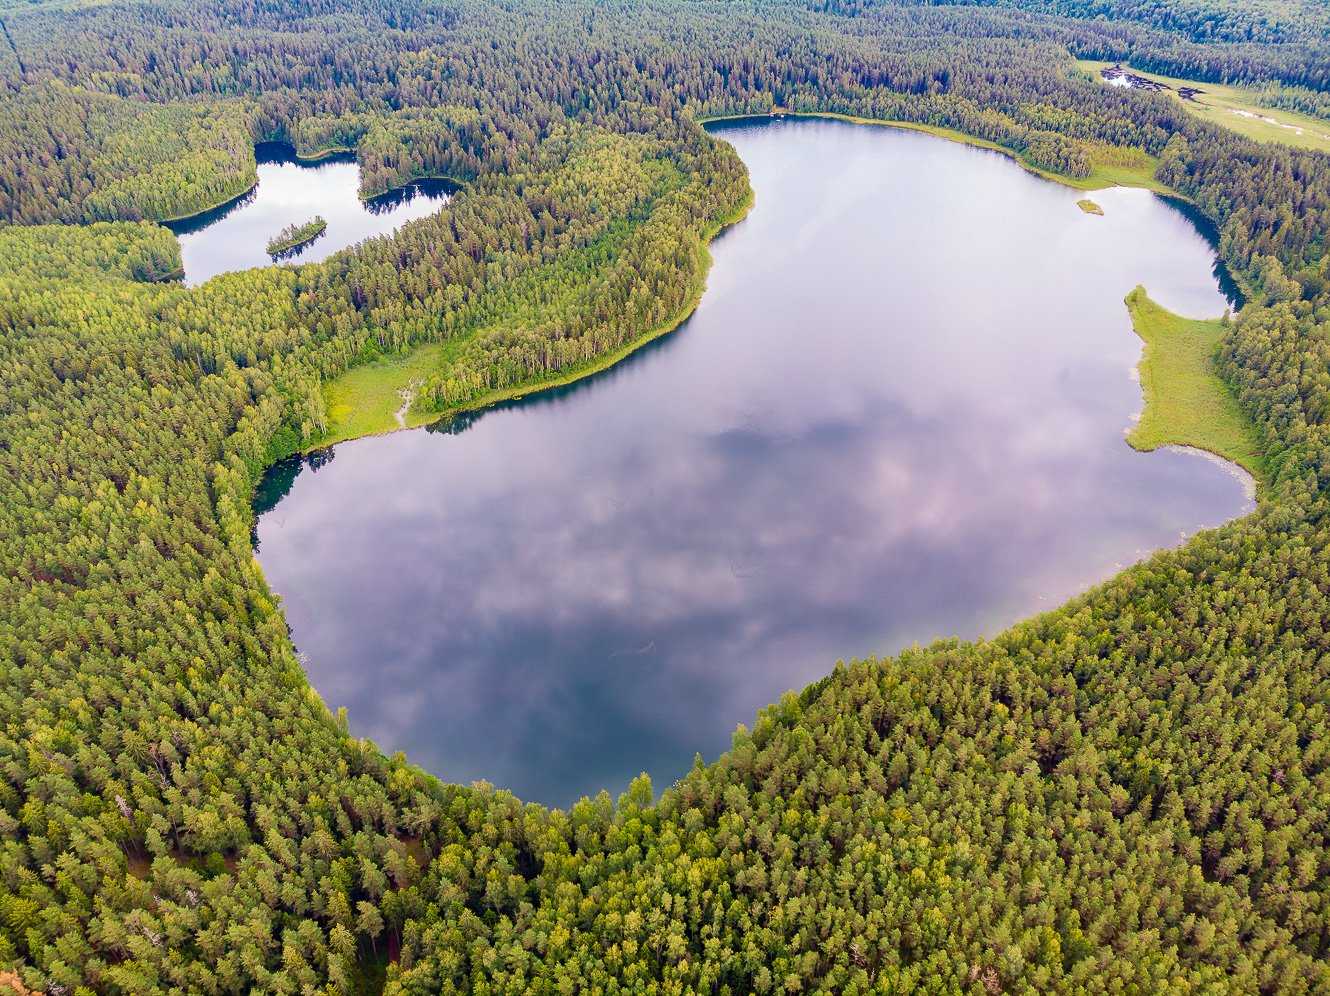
(897, 415)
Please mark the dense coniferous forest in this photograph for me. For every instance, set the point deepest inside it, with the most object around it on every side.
(1128, 794)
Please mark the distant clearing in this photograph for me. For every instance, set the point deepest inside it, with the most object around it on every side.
(1235, 108)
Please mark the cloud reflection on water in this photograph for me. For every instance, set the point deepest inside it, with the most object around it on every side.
(896, 416)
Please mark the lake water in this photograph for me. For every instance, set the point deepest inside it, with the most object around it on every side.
(235, 236)
(897, 415)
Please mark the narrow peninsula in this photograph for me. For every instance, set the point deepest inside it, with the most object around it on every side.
(1186, 401)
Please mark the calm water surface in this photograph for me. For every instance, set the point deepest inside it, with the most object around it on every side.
(235, 236)
(898, 414)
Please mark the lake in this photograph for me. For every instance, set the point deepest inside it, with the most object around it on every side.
(897, 415)
(235, 235)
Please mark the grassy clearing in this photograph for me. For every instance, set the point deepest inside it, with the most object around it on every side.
(1089, 206)
(366, 399)
(1186, 402)
(1236, 108)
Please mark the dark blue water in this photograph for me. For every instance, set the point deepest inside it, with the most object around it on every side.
(897, 415)
(235, 235)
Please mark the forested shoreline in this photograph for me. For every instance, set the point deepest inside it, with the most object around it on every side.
(1129, 793)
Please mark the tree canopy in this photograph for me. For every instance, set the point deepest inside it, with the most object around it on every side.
(1127, 794)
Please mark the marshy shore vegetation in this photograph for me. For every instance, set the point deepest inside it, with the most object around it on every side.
(1187, 403)
(1266, 113)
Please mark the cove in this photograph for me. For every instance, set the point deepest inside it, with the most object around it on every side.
(292, 191)
(897, 415)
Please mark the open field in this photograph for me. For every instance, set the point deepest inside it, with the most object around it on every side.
(366, 399)
(1186, 402)
(1236, 108)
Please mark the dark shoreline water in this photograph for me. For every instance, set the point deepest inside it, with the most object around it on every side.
(896, 415)
(234, 235)
(1223, 278)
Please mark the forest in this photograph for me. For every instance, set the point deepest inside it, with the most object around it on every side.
(1127, 794)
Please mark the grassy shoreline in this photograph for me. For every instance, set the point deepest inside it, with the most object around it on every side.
(1187, 403)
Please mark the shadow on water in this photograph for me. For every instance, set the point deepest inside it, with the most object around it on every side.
(1208, 231)
(434, 187)
(266, 153)
(204, 219)
(292, 253)
(455, 425)
(281, 477)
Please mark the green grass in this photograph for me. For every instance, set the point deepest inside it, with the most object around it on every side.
(1186, 402)
(365, 400)
(1089, 206)
(1237, 109)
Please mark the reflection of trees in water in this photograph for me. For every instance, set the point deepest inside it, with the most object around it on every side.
(455, 425)
(275, 485)
(281, 478)
(206, 219)
(395, 198)
(1227, 286)
(321, 458)
(276, 153)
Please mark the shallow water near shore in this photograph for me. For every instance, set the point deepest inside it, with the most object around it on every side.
(896, 415)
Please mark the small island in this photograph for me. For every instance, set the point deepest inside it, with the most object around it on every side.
(1089, 206)
(294, 237)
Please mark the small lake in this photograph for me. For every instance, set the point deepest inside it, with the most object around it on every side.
(897, 415)
(235, 236)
